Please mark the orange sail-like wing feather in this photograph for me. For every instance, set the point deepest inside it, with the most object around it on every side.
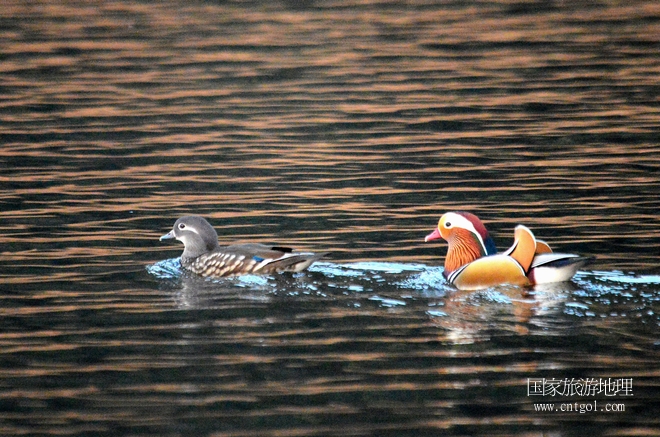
(542, 247)
(524, 247)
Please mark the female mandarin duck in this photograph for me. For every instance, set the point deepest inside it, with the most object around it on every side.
(204, 256)
(472, 261)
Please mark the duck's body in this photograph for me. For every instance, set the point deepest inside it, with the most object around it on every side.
(473, 263)
(204, 256)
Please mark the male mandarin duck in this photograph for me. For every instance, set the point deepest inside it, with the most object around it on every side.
(473, 263)
(204, 256)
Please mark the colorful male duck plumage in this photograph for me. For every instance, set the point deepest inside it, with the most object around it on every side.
(204, 256)
(473, 263)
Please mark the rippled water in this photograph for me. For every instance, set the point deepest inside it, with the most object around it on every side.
(347, 127)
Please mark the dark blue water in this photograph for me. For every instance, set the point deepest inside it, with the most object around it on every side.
(347, 127)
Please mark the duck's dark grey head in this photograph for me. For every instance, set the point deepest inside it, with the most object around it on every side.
(196, 234)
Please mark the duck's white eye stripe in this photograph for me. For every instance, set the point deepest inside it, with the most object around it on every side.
(183, 226)
(462, 222)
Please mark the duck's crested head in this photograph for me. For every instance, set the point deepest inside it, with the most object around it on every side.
(196, 234)
(451, 221)
(467, 237)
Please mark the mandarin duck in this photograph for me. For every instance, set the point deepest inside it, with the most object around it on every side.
(473, 263)
(204, 256)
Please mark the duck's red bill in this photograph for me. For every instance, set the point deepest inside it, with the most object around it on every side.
(433, 235)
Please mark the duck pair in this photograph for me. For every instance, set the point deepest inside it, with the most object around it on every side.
(472, 260)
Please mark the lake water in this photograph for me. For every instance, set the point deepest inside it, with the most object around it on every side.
(338, 126)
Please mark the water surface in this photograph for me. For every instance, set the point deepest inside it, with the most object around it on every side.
(347, 127)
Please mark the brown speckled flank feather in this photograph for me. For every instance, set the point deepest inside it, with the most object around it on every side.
(249, 259)
(202, 254)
